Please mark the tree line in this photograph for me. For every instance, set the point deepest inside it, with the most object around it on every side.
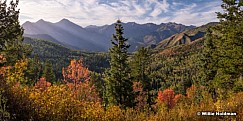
(145, 85)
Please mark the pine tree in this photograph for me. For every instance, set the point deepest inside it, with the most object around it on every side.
(48, 72)
(118, 83)
(11, 33)
(224, 47)
(140, 62)
(34, 70)
(230, 45)
(208, 64)
(140, 70)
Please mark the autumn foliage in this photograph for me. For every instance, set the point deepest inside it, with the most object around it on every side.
(76, 72)
(141, 96)
(2, 69)
(14, 74)
(42, 84)
(168, 98)
(77, 78)
(77, 100)
(191, 92)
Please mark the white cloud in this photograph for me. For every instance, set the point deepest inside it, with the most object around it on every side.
(98, 12)
(195, 14)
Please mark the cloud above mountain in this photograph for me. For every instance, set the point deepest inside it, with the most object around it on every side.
(100, 12)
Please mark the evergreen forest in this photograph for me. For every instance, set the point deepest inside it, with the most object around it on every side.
(44, 81)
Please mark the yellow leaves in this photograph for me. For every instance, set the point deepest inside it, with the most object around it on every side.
(16, 73)
(58, 102)
(48, 101)
(219, 105)
(112, 113)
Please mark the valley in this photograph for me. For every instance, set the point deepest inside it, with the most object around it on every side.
(162, 61)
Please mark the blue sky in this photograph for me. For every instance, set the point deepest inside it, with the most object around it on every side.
(101, 12)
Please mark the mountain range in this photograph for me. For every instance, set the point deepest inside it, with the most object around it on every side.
(97, 38)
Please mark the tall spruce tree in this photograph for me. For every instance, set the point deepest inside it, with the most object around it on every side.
(11, 33)
(48, 72)
(34, 70)
(208, 64)
(118, 83)
(140, 62)
(223, 50)
(140, 71)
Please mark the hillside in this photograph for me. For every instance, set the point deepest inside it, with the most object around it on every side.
(97, 38)
(175, 60)
(60, 56)
(186, 37)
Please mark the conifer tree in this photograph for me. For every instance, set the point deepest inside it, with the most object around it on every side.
(11, 33)
(140, 62)
(223, 49)
(140, 71)
(118, 83)
(208, 64)
(48, 72)
(34, 70)
(229, 45)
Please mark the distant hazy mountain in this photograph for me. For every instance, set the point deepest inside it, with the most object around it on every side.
(97, 38)
(65, 32)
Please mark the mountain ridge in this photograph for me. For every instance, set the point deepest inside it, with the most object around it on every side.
(97, 38)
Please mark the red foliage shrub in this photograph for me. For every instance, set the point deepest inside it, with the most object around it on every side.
(42, 84)
(166, 97)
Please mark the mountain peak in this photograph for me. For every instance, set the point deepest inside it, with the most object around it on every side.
(64, 21)
(40, 21)
(66, 24)
(91, 26)
(132, 23)
(27, 23)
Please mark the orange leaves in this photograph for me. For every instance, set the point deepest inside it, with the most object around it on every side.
(4, 69)
(190, 92)
(137, 87)
(84, 91)
(77, 77)
(2, 59)
(167, 97)
(42, 84)
(76, 72)
(178, 98)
